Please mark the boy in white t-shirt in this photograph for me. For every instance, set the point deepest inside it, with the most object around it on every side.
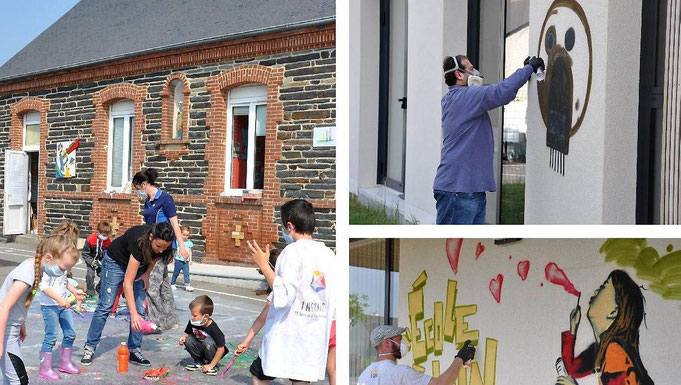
(296, 335)
(387, 340)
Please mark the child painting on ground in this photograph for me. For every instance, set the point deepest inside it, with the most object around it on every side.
(301, 303)
(55, 255)
(202, 337)
(93, 253)
(182, 263)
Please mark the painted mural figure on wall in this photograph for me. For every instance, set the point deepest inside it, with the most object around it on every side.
(615, 312)
(565, 46)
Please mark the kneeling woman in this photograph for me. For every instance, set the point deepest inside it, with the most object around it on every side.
(128, 262)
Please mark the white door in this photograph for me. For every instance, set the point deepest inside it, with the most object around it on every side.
(16, 193)
(398, 92)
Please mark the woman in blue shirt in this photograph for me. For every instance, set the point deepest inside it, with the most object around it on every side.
(159, 207)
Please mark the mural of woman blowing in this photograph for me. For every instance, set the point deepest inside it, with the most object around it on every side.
(615, 313)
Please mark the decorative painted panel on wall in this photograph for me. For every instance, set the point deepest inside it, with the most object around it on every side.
(565, 45)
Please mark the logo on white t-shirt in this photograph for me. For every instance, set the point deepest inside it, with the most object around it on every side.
(318, 282)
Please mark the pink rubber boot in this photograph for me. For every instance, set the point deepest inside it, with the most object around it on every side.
(65, 363)
(46, 370)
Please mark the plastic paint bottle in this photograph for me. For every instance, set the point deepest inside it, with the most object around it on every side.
(148, 326)
(123, 355)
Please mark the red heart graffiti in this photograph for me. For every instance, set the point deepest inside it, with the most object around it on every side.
(495, 287)
(453, 248)
(479, 250)
(523, 269)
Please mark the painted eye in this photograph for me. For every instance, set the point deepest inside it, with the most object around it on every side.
(550, 40)
(569, 39)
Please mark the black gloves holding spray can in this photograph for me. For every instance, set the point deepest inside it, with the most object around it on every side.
(467, 352)
(537, 64)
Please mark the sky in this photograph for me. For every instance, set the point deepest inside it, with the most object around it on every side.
(22, 21)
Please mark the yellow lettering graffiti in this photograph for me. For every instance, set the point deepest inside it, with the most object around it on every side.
(426, 337)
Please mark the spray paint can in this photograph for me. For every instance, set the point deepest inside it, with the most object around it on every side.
(540, 75)
(560, 367)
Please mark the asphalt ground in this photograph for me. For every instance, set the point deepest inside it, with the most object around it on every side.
(235, 311)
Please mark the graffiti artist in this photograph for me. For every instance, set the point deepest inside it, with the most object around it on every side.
(466, 169)
(388, 342)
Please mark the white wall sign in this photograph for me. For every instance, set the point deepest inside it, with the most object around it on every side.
(324, 137)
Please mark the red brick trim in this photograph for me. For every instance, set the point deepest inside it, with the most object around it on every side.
(205, 199)
(216, 120)
(171, 147)
(102, 99)
(16, 137)
(262, 45)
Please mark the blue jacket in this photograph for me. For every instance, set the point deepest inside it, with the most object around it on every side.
(467, 157)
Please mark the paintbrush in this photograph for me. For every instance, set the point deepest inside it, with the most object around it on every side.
(80, 313)
(229, 366)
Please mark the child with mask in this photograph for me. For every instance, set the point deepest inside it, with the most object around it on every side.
(202, 337)
(55, 255)
(301, 303)
(56, 310)
(93, 253)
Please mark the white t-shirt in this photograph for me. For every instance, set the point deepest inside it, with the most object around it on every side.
(295, 341)
(58, 284)
(17, 313)
(387, 372)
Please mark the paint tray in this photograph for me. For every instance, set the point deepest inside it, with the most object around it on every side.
(155, 374)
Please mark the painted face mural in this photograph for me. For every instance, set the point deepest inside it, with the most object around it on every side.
(565, 46)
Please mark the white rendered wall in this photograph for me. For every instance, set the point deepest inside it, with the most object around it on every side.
(531, 314)
(436, 28)
(364, 65)
(599, 184)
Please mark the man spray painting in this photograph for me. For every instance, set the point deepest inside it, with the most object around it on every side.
(615, 313)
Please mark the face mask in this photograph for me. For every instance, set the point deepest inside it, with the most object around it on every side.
(53, 271)
(198, 323)
(474, 79)
(287, 237)
(398, 354)
(102, 237)
(141, 194)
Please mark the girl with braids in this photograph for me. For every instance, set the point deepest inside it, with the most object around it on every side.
(159, 207)
(54, 256)
(615, 313)
(128, 262)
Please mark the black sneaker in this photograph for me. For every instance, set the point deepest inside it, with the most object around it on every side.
(137, 358)
(193, 367)
(88, 353)
(212, 372)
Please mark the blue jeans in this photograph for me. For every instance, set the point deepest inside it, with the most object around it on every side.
(180, 266)
(112, 280)
(458, 208)
(55, 316)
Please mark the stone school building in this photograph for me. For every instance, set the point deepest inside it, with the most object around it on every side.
(233, 102)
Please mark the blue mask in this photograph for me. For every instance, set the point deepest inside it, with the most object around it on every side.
(287, 237)
(53, 271)
(141, 194)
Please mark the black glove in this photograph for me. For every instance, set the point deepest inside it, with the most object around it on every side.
(467, 352)
(535, 62)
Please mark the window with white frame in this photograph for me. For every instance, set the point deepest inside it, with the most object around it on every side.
(32, 131)
(246, 116)
(178, 99)
(121, 115)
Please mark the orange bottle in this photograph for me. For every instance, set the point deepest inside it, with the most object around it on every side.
(123, 355)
